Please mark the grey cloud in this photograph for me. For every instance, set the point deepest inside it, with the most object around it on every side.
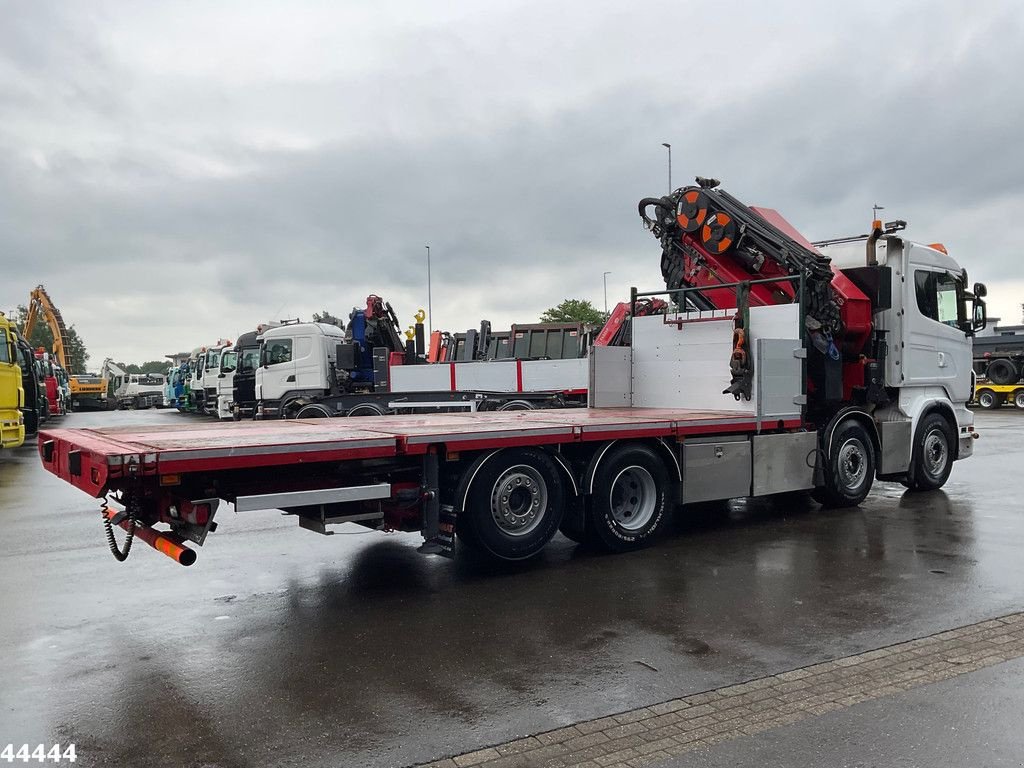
(523, 202)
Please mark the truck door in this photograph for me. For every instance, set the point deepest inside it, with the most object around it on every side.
(938, 352)
(310, 365)
(278, 375)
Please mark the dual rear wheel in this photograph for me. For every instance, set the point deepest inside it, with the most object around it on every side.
(516, 502)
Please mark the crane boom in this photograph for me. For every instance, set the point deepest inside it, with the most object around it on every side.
(40, 305)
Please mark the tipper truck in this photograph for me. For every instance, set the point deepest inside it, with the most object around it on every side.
(782, 367)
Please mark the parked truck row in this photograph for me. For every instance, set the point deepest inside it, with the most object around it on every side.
(368, 366)
(778, 365)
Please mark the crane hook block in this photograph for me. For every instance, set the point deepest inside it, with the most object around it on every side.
(420, 315)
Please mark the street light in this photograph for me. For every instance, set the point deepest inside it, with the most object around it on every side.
(430, 311)
(605, 278)
(669, 148)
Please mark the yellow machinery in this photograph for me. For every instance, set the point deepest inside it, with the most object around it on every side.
(12, 396)
(86, 390)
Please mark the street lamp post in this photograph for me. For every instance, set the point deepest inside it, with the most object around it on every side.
(669, 148)
(605, 278)
(430, 309)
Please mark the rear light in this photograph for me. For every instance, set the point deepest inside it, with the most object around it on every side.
(196, 514)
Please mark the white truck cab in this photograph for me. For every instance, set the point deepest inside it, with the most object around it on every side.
(929, 327)
(295, 360)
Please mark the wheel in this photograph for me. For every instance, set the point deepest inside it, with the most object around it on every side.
(850, 469)
(514, 505)
(933, 454)
(1002, 371)
(988, 399)
(313, 411)
(630, 498)
(516, 405)
(365, 409)
(1018, 398)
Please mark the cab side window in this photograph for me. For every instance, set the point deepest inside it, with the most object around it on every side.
(279, 351)
(5, 348)
(937, 296)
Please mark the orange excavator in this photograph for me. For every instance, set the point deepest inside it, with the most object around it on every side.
(86, 390)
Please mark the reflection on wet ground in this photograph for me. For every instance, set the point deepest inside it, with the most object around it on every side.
(284, 647)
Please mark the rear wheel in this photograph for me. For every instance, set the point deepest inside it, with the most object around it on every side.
(313, 411)
(850, 469)
(988, 399)
(514, 505)
(628, 507)
(1018, 398)
(516, 405)
(365, 409)
(933, 454)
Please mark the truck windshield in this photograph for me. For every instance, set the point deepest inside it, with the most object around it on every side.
(212, 358)
(227, 361)
(149, 380)
(248, 359)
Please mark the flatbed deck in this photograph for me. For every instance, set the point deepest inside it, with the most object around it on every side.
(87, 458)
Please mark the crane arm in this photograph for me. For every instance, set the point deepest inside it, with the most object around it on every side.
(40, 305)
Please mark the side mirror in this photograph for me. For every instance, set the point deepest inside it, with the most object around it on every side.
(980, 290)
(980, 318)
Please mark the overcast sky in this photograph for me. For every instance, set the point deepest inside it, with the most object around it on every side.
(176, 172)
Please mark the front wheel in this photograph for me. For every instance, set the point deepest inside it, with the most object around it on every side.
(514, 505)
(629, 505)
(933, 454)
(850, 467)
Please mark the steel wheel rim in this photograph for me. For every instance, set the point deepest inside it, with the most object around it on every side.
(935, 453)
(985, 400)
(519, 498)
(853, 464)
(1018, 400)
(633, 498)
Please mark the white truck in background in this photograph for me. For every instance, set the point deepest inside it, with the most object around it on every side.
(136, 391)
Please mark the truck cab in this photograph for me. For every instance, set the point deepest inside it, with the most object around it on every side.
(51, 387)
(295, 361)
(927, 315)
(211, 376)
(237, 389)
(35, 409)
(12, 393)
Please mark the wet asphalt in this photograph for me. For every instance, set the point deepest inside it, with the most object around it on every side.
(283, 647)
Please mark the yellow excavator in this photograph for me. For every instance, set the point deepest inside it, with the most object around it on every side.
(87, 390)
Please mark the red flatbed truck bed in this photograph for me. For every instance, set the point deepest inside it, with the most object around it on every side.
(391, 472)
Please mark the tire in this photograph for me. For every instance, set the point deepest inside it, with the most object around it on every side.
(313, 411)
(1002, 371)
(988, 399)
(629, 503)
(1018, 398)
(516, 405)
(365, 409)
(932, 459)
(850, 469)
(514, 505)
